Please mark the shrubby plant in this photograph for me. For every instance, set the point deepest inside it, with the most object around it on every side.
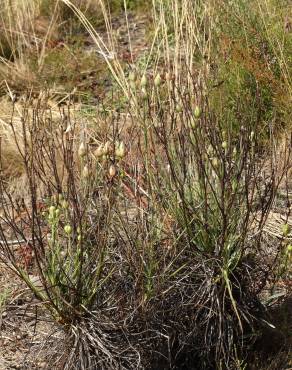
(150, 254)
(147, 226)
(208, 182)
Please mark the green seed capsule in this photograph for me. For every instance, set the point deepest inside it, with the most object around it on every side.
(133, 85)
(99, 151)
(54, 198)
(132, 77)
(144, 93)
(64, 204)
(112, 171)
(210, 150)
(85, 172)
(122, 174)
(157, 80)
(82, 150)
(193, 123)
(120, 150)
(197, 111)
(67, 229)
(286, 229)
(234, 185)
(52, 210)
(215, 162)
(144, 81)
(224, 144)
(106, 148)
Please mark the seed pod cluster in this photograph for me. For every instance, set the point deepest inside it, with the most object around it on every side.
(118, 150)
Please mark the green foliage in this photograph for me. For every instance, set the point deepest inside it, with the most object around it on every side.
(250, 56)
